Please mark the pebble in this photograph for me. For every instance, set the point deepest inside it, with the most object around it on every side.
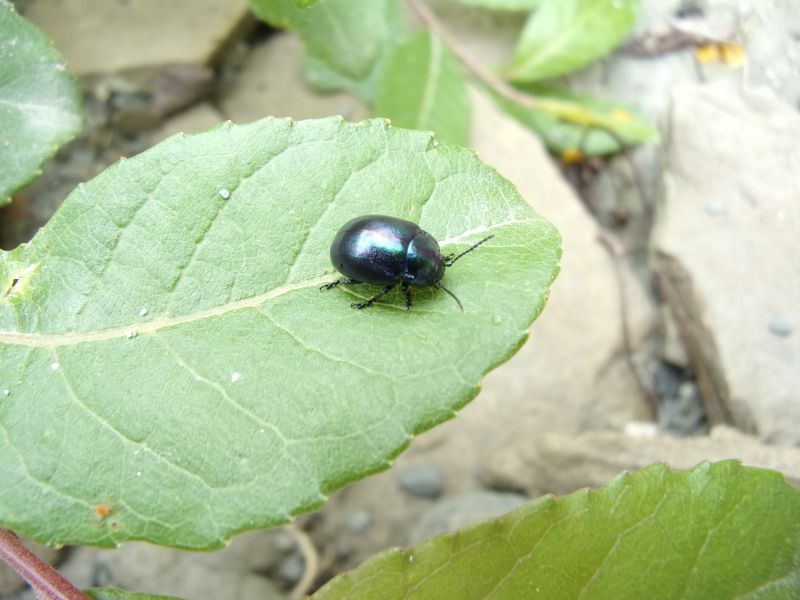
(284, 542)
(291, 568)
(425, 481)
(358, 521)
(781, 325)
(716, 208)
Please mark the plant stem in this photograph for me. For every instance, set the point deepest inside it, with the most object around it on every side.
(44, 579)
(564, 110)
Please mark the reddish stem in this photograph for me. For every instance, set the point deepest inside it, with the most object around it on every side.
(44, 579)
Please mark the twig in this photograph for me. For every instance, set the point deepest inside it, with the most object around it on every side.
(616, 252)
(311, 559)
(43, 578)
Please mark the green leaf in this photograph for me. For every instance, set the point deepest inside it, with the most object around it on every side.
(347, 42)
(567, 35)
(304, 3)
(40, 106)
(169, 369)
(513, 5)
(117, 594)
(717, 531)
(423, 88)
(581, 113)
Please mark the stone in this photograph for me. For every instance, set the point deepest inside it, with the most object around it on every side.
(358, 521)
(272, 82)
(200, 117)
(727, 277)
(455, 513)
(560, 464)
(111, 36)
(180, 86)
(425, 481)
(781, 325)
(291, 568)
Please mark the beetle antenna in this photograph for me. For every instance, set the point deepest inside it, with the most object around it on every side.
(452, 295)
(449, 262)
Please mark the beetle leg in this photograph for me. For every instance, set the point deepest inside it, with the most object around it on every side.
(407, 292)
(366, 303)
(328, 286)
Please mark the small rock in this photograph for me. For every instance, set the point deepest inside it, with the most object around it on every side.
(198, 118)
(284, 542)
(426, 481)
(682, 414)
(781, 325)
(133, 113)
(291, 568)
(716, 208)
(458, 512)
(179, 86)
(358, 521)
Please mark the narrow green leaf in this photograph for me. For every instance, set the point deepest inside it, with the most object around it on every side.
(40, 106)
(304, 3)
(566, 35)
(117, 594)
(565, 118)
(347, 42)
(717, 531)
(423, 87)
(169, 369)
(512, 5)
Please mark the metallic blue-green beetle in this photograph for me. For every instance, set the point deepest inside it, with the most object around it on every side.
(385, 251)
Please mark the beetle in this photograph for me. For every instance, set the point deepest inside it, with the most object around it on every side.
(387, 251)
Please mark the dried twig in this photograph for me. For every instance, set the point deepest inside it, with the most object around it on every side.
(617, 253)
(311, 559)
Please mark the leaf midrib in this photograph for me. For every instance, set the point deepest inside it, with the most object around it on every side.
(71, 338)
(58, 340)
